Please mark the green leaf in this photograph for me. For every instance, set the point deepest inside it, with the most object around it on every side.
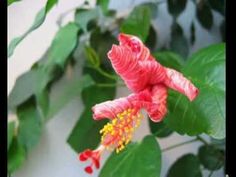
(211, 157)
(23, 89)
(153, 8)
(169, 59)
(160, 130)
(85, 134)
(104, 5)
(71, 91)
(186, 166)
(220, 144)
(10, 133)
(42, 99)
(95, 94)
(192, 33)
(39, 19)
(204, 15)
(62, 45)
(138, 22)
(92, 56)
(15, 156)
(178, 43)
(84, 16)
(9, 2)
(30, 124)
(218, 5)
(50, 4)
(176, 7)
(151, 39)
(101, 42)
(206, 114)
(137, 159)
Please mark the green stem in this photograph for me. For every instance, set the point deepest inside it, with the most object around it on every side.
(202, 140)
(110, 85)
(180, 144)
(110, 76)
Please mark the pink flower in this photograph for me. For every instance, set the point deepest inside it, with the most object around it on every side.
(149, 82)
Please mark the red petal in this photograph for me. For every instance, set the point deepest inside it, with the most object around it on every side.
(88, 153)
(82, 157)
(88, 170)
(96, 162)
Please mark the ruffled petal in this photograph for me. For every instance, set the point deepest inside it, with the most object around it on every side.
(158, 107)
(178, 82)
(126, 65)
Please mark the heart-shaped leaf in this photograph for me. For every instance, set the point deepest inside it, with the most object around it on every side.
(211, 157)
(176, 7)
(188, 165)
(86, 134)
(169, 59)
(84, 16)
(138, 22)
(23, 89)
(204, 14)
(137, 159)
(62, 45)
(206, 114)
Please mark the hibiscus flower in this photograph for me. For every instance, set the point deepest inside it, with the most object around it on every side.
(149, 81)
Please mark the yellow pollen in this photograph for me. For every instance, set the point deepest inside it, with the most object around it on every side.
(118, 133)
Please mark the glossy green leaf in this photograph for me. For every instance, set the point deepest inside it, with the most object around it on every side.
(101, 42)
(39, 19)
(30, 124)
(159, 129)
(211, 157)
(71, 91)
(92, 56)
(186, 166)
(204, 15)
(62, 45)
(95, 94)
(85, 134)
(138, 22)
(9, 2)
(176, 7)
(169, 59)
(10, 133)
(50, 4)
(137, 159)
(104, 5)
(178, 43)
(206, 114)
(218, 5)
(23, 89)
(84, 16)
(15, 156)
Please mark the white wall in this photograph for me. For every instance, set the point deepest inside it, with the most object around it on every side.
(53, 157)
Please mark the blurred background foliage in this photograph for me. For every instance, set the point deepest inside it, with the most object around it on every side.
(84, 44)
